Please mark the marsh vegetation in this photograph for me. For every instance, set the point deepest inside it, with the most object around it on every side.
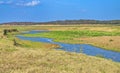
(36, 57)
(103, 36)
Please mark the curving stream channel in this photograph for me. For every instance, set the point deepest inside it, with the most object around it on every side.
(78, 48)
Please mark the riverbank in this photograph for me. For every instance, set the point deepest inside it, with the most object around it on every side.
(103, 36)
(17, 59)
(34, 57)
(103, 39)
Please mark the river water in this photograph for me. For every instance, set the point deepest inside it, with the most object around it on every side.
(78, 48)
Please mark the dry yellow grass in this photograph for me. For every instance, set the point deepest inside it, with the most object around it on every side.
(66, 27)
(1, 33)
(44, 60)
(28, 60)
(108, 42)
(95, 27)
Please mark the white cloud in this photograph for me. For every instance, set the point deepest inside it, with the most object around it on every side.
(5, 2)
(32, 3)
(21, 2)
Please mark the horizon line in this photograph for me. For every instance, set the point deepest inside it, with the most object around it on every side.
(55, 21)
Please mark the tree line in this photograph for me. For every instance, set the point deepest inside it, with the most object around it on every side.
(66, 22)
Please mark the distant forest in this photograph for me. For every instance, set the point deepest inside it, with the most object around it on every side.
(66, 22)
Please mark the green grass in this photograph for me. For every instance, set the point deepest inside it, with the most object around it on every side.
(68, 35)
(31, 44)
(39, 60)
(34, 57)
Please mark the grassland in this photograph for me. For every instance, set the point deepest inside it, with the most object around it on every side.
(23, 59)
(105, 37)
(34, 57)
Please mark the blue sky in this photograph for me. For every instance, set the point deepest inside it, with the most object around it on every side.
(51, 10)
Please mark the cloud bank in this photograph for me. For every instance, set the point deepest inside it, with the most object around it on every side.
(20, 2)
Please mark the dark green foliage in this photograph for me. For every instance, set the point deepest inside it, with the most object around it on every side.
(110, 40)
(5, 32)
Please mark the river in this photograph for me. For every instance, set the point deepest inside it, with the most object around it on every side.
(78, 48)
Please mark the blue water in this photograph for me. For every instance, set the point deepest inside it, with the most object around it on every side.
(78, 48)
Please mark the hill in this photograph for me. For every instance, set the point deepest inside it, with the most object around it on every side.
(66, 22)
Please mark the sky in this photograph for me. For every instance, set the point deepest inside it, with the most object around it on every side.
(52, 10)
